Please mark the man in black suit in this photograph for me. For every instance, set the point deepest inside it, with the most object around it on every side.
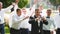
(37, 22)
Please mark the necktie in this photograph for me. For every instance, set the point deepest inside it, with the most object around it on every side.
(47, 17)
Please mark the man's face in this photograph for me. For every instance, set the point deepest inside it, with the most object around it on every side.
(59, 9)
(0, 6)
(37, 13)
(19, 13)
(24, 11)
(48, 13)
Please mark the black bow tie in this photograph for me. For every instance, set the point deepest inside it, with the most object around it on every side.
(47, 17)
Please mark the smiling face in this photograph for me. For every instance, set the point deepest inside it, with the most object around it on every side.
(48, 12)
(37, 12)
(18, 12)
(24, 11)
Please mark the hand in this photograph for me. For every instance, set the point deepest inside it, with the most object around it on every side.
(35, 1)
(17, 1)
(26, 17)
(55, 29)
(52, 32)
(37, 19)
(13, 4)
(43, 18)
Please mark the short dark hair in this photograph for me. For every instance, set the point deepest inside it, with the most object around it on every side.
(49, 10)
(36, 9)
(18, 9)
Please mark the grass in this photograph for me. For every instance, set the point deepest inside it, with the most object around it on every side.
(7, 31)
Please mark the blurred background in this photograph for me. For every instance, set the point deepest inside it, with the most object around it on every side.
(53, 4)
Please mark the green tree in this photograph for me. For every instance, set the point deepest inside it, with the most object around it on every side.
(21, 4)
(55, 2)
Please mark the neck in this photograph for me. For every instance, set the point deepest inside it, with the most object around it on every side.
(37, 15)
(48, 15)
(0, 9)
(18, 15)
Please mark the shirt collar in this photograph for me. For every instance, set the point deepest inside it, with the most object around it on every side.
(59, 14)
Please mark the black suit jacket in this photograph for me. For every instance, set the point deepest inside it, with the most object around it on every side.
(35, 28)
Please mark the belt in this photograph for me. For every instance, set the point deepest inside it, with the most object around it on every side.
(23, 28)
(1, 24)
(47, 30)
(58, 28)
(13, 29)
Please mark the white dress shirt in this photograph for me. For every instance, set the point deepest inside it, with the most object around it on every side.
(17, 21)
(57, 20)
(51, 24)
(0, 19)
(24, 23)
(2, 11)
(10, 16)
(15, 8)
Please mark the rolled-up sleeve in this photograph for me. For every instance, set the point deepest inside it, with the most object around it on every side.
(8, 8)
(15, 20)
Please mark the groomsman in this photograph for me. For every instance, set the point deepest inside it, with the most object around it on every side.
(37, 22)
(16, 19)
(2, 11)
(57, 21)
(48, 29)
(24, 27)
(18, 26)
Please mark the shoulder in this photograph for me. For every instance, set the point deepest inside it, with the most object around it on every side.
(56, 16)
(14, 15)
(52, 18)
(31, 17)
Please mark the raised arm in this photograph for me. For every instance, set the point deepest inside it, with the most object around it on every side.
(44, 21)
(15, 20)
(31, 20)
(9, 8)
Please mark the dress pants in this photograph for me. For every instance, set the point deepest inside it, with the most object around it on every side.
(2, 29)
(24, 31)
(14, 31)
(46, 32)
(29, 32)
(58, 31)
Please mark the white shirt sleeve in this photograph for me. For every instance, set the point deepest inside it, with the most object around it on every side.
(53, 25)
(8, 8)
(55, 19)
(16, 20)
(16, 7)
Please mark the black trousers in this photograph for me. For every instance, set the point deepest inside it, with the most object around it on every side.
(46, 32)
(58, 31)
(24, 31)
(2, 31)
(14, 31)
(29, 32)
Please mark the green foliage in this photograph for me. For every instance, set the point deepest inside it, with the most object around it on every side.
(55, 2)
(21, 4)
(6, 3)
